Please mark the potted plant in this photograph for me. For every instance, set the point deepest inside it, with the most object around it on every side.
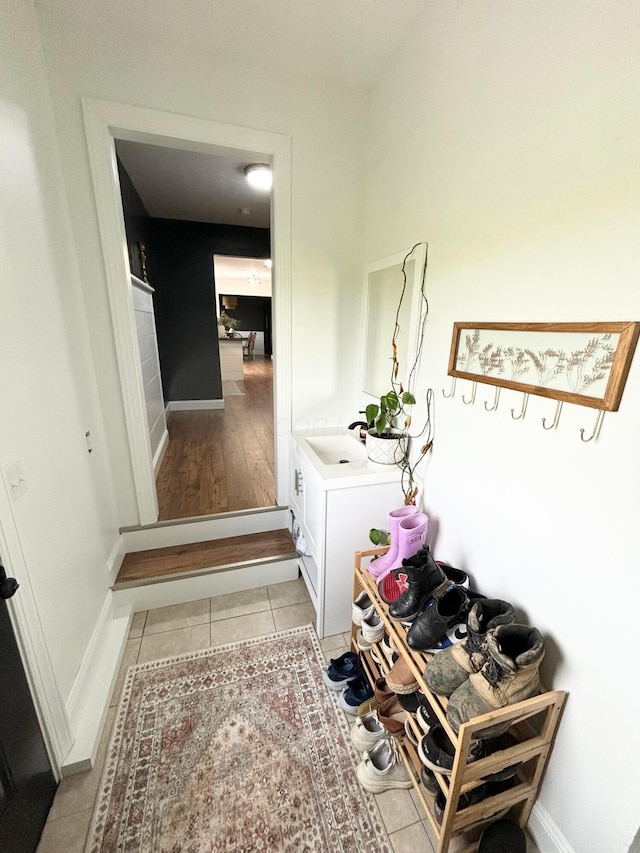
(229, 323)
(386, 443)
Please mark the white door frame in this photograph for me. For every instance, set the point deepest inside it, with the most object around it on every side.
(106, 121)
(25, 619)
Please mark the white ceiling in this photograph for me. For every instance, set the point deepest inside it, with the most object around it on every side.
(198, 187)
(348, 41)
(231, 276)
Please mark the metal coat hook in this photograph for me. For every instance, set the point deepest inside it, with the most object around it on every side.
(474, 386)
(496, 400)
(596, 428)
(525, 400)
(556, 417)
(453, 388)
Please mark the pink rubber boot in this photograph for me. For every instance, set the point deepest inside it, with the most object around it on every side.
(412, 532)
(388, 560)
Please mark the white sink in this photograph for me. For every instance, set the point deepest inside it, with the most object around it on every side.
(338, 449)
(338, 459)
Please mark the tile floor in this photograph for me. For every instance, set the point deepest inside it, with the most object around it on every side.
(197, 625)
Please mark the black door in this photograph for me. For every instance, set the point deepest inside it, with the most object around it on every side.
(27, 783)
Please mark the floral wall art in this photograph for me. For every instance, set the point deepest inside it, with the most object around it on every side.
(584, 363)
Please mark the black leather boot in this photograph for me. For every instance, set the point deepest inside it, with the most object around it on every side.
(420, 584)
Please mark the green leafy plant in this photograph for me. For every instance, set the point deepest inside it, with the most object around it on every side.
(379, 537)
(392, 405)
(228, 322)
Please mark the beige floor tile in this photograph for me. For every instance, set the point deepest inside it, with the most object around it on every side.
(411, 839)
(397, 809)
(129, 658)
(347, 637)
(289, 592)
(78, 792)
(137, 624)
(293, 616)
(178, 616)
(239, 603)
(332, 654)
(242, 628)
(335, 641)
(67, 834)
(170, 643)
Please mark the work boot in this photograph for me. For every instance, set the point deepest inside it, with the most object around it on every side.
(510, 674)
(446, 671)
(420, 585)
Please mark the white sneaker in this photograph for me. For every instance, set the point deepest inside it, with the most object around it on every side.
(362, 644)
(367, 731)
(372, 628)
(382, 768)
(361, 608)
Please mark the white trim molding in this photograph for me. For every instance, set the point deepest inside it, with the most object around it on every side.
(162, 449)
(106, 121)
(25, 618)
(546, 833)
(195, 405)
(115, 558)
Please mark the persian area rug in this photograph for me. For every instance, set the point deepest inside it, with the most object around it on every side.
(235, 749)
(230, 386)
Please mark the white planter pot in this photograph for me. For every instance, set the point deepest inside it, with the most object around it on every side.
(388, 450)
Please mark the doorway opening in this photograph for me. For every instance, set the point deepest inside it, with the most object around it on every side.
(106, 122)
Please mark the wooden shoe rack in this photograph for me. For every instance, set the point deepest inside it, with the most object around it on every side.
(533, 722)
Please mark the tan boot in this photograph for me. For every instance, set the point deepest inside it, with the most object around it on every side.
(511, 673)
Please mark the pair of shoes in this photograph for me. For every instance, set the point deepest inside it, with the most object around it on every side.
(442, 613)
(392, 716)
(401, 679)
(355, 694)
(372, 627)
(437, 752)
(407, 589)
(367, 731)
(340, 671)
(400, 581)
(448, 670)
(476, 795)
(510, 674)
(408, 529)
(361, 608)
(382, 769)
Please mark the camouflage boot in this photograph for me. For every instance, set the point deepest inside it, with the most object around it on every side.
(447, 670)
(510, 674)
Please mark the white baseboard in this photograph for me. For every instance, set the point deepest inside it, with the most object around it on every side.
(162, 449)
(115, 558)
(546, 833)
(187, 405)
(186, 531)
(88, 700)
(179, 591)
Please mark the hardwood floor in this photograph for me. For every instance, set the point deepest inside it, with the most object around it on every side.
(221, 460)
(185, 560)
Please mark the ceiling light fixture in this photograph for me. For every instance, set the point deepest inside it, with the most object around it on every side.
(259, 175)
(253, 280)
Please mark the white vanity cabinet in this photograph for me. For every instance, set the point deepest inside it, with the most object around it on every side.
(336, 506)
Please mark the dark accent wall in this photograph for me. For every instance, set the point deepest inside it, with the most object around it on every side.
(179, 262)
(180, 268)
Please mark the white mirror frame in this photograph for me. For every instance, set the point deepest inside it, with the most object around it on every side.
(413, 296)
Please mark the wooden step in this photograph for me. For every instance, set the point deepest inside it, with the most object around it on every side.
(216, 555)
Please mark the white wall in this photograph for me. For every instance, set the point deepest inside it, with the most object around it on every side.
(171, 66)
(66, 520)
(508, 136)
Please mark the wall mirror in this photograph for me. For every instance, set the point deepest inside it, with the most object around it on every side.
(383, 293)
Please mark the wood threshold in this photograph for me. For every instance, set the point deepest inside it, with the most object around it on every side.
(158, 564)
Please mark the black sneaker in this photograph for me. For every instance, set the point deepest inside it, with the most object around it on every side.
(428, 780)
(435, 620)
(475, 795)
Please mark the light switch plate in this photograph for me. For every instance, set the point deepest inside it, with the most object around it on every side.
(15, 479)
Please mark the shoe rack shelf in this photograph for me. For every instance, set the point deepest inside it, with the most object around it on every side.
(533, 722)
